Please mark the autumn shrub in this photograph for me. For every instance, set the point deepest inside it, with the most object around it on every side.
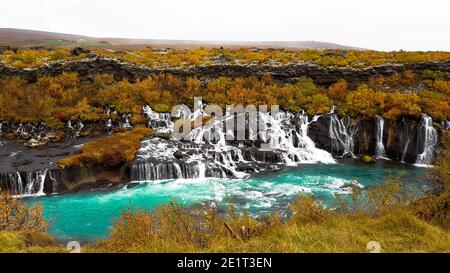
(57, 99)
(364, 101)
(23, 227)
(15, 215)
(435, 104)
(338, 91)
(307, 210)
(402, 104)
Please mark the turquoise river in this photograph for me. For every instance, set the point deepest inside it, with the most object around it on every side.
(89, 215)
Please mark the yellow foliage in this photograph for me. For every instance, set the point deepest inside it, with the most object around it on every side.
(17, 216)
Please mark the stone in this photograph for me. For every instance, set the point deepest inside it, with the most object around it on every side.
(178, 154)
(78, 51)
(368, 159)
(33, 143)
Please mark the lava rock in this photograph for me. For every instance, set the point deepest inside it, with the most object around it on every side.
(178, 154)
(77, 51)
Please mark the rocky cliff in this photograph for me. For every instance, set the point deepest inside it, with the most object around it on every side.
(87, 68)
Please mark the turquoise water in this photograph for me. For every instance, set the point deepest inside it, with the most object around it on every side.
(87, 216)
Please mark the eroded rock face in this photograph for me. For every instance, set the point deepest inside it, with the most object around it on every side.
(76, 179)
(86, 68)
(404, 139)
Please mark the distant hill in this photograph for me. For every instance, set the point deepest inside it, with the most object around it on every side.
(31, 38)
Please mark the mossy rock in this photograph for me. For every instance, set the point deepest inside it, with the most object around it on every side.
(368, 159)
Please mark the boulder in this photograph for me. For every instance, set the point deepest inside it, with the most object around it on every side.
(33, 143)
(77, 51)
(368, 159)
(178, 154)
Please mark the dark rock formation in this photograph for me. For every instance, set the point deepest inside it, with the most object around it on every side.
(76, 179)
(5, 48)
(290, 72)
(77, 51)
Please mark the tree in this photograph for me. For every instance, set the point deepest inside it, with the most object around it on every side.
(402, 104)
(364, 101)
(338, 90)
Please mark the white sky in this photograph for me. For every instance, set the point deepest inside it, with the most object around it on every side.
(375, 24)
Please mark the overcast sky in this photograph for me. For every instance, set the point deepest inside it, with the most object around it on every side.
(375, 24)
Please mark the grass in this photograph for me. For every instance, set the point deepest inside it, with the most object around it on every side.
(109, 151)
(397, 230)
(63, 42)
(28, 242)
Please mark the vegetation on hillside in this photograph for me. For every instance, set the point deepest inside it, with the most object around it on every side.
(55, 100)
(202, 56)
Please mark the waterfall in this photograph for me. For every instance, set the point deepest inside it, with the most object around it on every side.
(307, 148)
(125, 123)
(35, 183)
(428, 135)
(161, 122)
(27, 184)
(444, 124)
(380, 151)
(76, 131)
(208, 151)
(407, 142)
(342, 132)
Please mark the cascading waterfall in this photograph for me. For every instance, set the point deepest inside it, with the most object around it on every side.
(76, 131)
(108, 123)
(125, 123)
(161, 122)
(208, 152)
(428, 134)
(342, 132)
(380, 151)
(25, 184)
(297, 146)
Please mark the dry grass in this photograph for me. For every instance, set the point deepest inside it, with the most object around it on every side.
(172, 228)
